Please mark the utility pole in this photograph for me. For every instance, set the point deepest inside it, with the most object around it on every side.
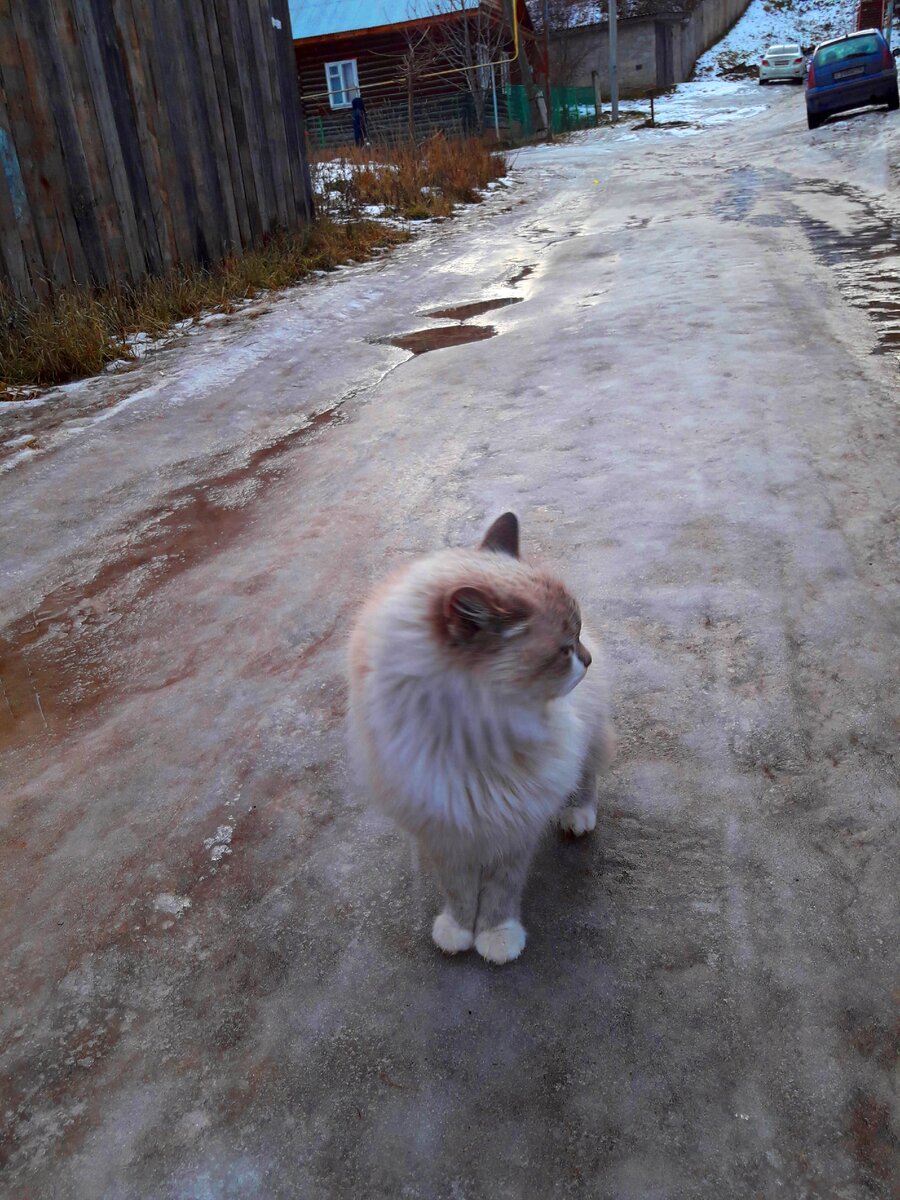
(613, 63)
(547, 63)
(888, 22)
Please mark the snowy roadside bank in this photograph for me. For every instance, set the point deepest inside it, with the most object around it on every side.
(765, 23)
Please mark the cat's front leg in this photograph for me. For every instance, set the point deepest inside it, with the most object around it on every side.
(499, 935)
(580, 813)
(458, 879)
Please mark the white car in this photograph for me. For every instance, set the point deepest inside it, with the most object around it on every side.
(782, 62)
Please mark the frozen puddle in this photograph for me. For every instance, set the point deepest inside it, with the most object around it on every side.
(421, 341)
(464, 312)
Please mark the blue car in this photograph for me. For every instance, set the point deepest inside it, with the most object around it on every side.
(850, 72)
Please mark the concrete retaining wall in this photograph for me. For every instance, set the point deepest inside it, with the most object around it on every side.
(654, 52)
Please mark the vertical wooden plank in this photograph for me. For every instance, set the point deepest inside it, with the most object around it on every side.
(219, 71)
(288, 102)
(270, 95)
(84, 152)
(16, 272)
(214, 161)
(248, 73)
(164, 180)
(199, 148)
(21, 256)
(37, 146)
(269, 98)
(154, 190)
(177, 118)
(84, 193)
(289, 83)
(244, 139)
(100, 86)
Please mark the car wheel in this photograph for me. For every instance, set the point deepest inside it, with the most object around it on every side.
(813, 122)
(761, 82)
(893, 102)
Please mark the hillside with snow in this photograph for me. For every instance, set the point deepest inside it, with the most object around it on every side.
(767, 22)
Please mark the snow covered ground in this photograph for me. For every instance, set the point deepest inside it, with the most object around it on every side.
(692, 107)
(768, 22)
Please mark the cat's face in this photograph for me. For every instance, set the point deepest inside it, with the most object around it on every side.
(519, 630)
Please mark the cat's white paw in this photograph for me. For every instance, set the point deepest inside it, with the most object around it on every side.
(501, 944)
(449, 936)
(578, 820)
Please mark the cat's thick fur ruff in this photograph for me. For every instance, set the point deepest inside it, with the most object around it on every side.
(478, 715)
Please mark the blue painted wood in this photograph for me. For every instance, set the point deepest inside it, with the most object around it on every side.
(13, 174)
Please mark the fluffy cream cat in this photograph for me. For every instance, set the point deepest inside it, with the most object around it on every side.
(478, 715)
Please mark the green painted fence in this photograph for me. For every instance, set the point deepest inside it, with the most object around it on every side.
(572, 108)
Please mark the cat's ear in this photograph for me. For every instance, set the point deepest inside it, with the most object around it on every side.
(469, 611)
(503, 536)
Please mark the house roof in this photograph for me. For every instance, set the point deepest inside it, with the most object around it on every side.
(318, 18)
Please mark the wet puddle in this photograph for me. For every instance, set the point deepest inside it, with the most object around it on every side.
(59, 661)
(421, 341)
(464, 312)
(746, 187)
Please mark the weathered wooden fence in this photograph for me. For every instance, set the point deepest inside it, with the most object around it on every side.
(137, 134)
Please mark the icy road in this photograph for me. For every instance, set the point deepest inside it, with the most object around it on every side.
(217, 980)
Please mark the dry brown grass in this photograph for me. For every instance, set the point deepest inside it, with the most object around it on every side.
(408, 180)
(82, 330)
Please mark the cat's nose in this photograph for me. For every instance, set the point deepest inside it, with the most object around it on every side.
(584, 655)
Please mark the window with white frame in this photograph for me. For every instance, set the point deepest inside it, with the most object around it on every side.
(485, 69)
(343, 82)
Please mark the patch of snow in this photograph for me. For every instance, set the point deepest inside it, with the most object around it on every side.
(695, 106)
(27, 400)
(765, 23)
(220, 843)
(732, 114)
(174, 905)
(140, 343)
(15, 459)
(26, 439)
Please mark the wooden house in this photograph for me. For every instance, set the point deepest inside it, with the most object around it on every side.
(419, 65)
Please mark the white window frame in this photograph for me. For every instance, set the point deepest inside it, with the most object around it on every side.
(485, 66)
(342, 81)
